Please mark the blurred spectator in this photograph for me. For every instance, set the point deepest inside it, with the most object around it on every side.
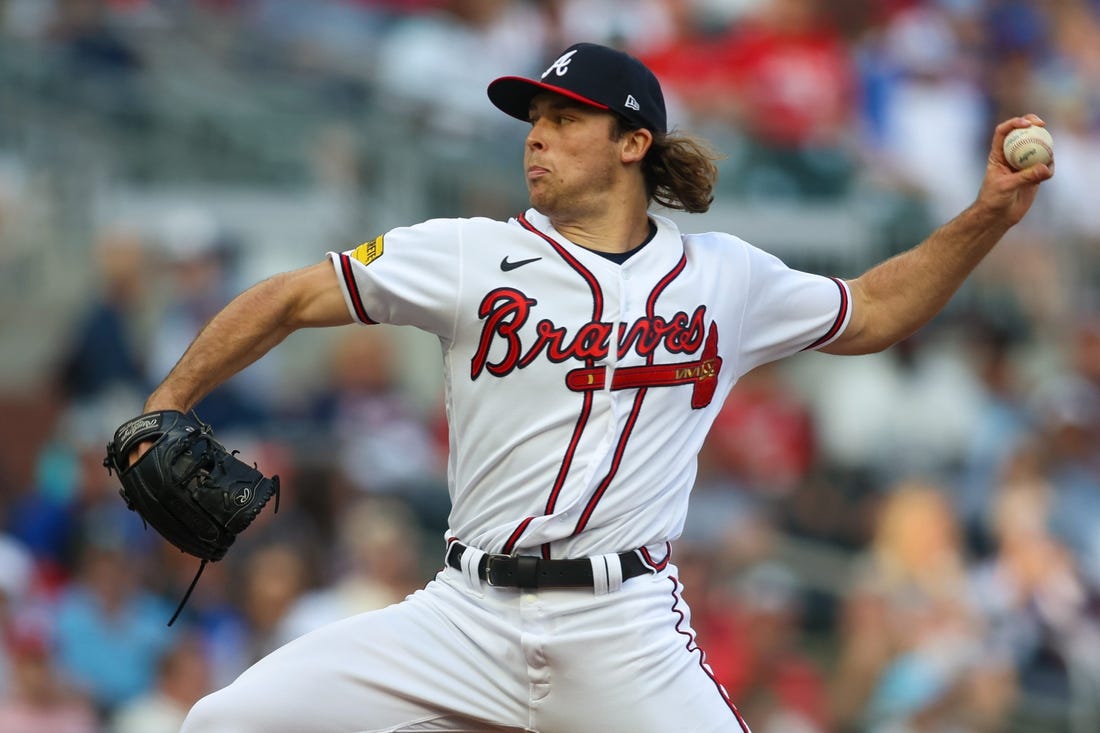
(791, 89)
(866, 642)
(757, 456)
(40, 701)
(761, 659)
(437, 65)
(43, 516)
(917, 547)
(633, 25)
(71, 489)
(182, 678)
(382, 445)
(102, 360)
(336, 160)
(763, 439)
(780, 80)
(1029, 283)
(98, 63)
(200, 262)
(378, 562)
(1019, 44)
(684, 60)
(1073, 202)
(432, 69)
(324, 36)
(110, 631)
(835, 506)
(272, 579)
(16, 576)
(910, 411)
(925, 108)
(1004, 427)
(1041, 614)
(907, 636)
(212, 617)
(83, 28)
(1069, 406)
(941, 681)
(1069, 91)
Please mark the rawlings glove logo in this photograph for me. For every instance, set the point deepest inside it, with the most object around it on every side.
(128, 430)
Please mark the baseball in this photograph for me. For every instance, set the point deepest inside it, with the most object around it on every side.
(1028, 146)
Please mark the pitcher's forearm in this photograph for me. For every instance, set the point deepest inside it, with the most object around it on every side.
(251, 325)
(893, 299)
(920, 283)
(908, 290)
(246, 329)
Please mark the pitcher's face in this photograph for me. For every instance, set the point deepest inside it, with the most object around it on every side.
(571, 160)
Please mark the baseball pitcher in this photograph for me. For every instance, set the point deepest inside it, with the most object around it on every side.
(587, 345)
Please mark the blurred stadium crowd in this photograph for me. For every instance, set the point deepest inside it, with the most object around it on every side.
(899, 543)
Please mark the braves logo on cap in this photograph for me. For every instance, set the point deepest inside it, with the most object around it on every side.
(560, 66)
(599, 76)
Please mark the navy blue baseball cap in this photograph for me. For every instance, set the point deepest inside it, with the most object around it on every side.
(596, 75)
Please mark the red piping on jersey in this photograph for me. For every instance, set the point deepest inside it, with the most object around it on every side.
(657, 565)
(353, 290)
(563, 471)
(692, 647)
(842, 313)
(619, 450)
(516, 533)
(593, 283)
(586, 407)
(632, 419)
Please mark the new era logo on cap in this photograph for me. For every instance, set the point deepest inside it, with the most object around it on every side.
(595, 75)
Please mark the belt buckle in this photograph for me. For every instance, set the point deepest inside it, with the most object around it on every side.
(493, 563)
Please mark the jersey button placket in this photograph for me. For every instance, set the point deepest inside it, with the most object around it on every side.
(620, 319)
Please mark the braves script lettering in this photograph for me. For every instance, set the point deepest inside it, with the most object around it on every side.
(505, 311)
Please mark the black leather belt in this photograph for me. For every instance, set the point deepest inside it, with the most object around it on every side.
(528, 571)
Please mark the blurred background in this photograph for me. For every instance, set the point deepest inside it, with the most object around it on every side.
(898, 543)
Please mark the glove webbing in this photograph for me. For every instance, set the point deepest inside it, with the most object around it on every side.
(202, 566)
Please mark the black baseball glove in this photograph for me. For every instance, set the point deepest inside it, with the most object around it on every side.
(187, 486)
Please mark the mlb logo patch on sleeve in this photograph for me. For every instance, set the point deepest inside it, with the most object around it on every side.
(368, 252)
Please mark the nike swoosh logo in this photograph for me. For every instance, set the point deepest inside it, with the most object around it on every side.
(507, 266)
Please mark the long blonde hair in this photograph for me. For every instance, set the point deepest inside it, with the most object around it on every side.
(680, 170)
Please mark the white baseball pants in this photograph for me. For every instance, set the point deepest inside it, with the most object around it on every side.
(462, 656)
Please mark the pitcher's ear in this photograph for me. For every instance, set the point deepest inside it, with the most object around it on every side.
(635, 144)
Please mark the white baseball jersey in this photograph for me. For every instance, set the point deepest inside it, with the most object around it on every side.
(579, 390)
